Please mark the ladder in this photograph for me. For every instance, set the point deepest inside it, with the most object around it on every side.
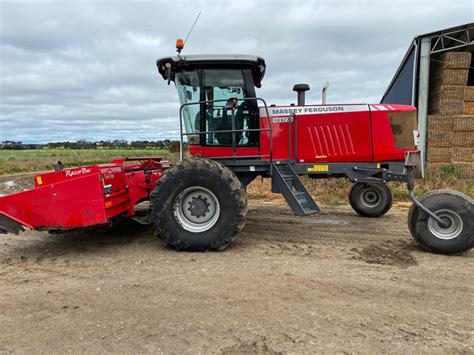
(287, 182)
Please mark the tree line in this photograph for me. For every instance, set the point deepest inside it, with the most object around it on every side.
(102, 144)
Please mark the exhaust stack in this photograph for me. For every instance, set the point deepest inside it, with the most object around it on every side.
(324, 92)
(300, 89)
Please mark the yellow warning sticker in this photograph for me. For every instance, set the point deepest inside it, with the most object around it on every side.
(39, 181)
(318, 168)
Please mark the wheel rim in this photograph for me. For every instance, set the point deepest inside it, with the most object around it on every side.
(370, 198)
(452, 230)
(196, 209)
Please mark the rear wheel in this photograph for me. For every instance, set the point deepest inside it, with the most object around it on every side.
(370, 199)
(198, 204)
(456, 209)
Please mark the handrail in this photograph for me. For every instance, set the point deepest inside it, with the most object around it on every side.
(233, 130)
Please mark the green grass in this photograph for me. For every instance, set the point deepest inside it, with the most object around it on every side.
(19, 161)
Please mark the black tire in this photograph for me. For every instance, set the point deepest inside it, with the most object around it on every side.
(177, 205)
(370, 199)
(452, 206)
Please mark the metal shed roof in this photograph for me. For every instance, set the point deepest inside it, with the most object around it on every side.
(403, 85)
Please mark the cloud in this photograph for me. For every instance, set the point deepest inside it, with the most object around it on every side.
(86, 70)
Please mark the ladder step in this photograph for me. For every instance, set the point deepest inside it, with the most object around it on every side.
(286, 181)
(308, 210)
(300, 196)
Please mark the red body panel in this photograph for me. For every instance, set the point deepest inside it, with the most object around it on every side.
(383, 140)
(219, 151)
(330, 133)
(70, 203)
(84, 196)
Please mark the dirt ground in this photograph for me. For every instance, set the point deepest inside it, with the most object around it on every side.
(332, 282)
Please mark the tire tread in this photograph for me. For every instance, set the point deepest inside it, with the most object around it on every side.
(158, 205)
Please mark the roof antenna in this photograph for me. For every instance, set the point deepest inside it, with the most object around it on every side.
(180, 43)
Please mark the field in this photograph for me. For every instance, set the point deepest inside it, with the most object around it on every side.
(19, 161)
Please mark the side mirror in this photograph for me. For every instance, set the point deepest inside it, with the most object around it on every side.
(168, 72)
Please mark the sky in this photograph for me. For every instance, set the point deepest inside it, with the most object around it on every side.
(73, 70)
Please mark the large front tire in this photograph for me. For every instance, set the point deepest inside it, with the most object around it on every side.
(454, 208)
(198, 205)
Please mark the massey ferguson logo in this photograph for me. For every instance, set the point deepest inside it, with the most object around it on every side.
(303, 110)
(81, 171)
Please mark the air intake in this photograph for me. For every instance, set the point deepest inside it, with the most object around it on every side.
(300, 89)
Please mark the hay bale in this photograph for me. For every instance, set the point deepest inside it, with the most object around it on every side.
(438, 154)
(439, 139)
(442, 77)
(469, 93)
(453, 60)
(440, 123)
(462, 154)
(463, 123)
(469, 108)
(448, 92)
(461, 139)
(447, 107)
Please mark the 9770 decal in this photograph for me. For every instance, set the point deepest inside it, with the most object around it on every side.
(283, 119)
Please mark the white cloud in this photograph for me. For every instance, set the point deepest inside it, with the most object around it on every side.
(86, 70)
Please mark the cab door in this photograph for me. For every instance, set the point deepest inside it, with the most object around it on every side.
(223, 137)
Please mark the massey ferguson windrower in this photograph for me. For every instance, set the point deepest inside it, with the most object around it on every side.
(232, 137)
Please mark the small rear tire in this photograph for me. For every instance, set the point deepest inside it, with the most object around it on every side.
(198, 205)
(370, 199)
(451, 206)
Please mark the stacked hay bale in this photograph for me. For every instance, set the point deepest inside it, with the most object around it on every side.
(451, 114)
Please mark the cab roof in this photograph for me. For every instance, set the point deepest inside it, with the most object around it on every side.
(217, 61)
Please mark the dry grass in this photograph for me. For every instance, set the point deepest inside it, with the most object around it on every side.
(335, 191)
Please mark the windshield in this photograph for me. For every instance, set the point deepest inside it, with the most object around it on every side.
(187, 83)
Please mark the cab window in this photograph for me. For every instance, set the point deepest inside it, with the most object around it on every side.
(187, 83)
(223, 84)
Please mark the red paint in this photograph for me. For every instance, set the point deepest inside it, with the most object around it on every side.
(220, 151)
(383, 142)
(76, 197)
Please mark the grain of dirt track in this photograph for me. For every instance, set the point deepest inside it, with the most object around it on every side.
(333, 282)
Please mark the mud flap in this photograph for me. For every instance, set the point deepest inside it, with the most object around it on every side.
(8, 225)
